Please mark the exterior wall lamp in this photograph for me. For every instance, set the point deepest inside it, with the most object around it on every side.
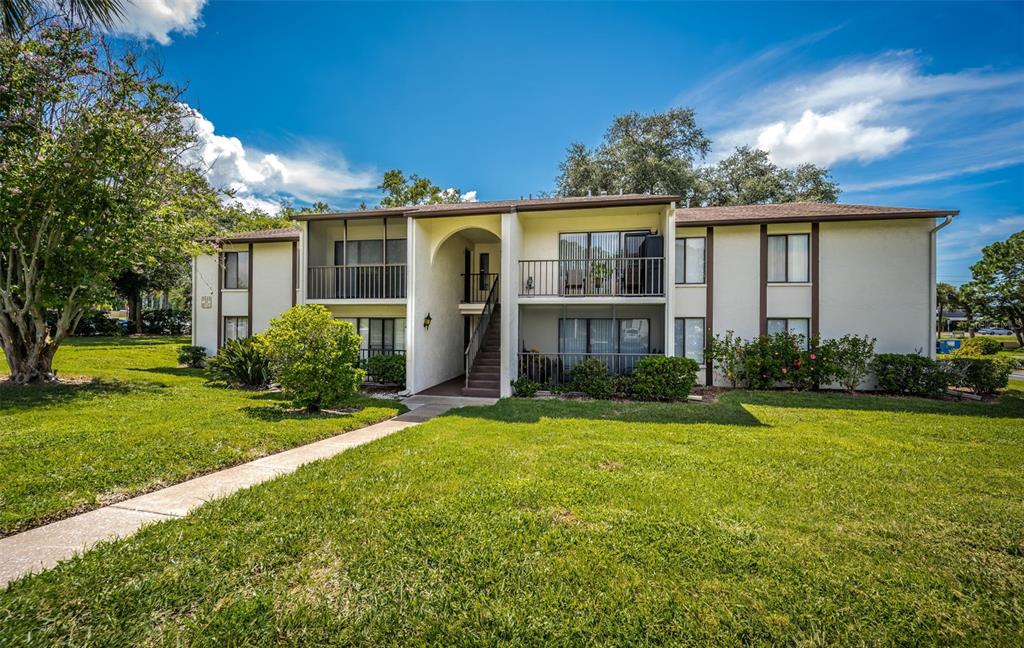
(426, 321)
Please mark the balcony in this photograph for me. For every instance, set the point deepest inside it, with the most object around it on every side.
(476, 286)
(612, 277)
(556, 368)
(370, 352)
(379, 281)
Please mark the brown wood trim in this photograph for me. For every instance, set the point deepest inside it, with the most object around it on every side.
(763, 289)
(220, 293)
(815, 274)
(295, 269)
(709, 305)
(812, 219)
(252, 266)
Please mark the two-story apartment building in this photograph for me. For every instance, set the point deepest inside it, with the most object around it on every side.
(484, 292)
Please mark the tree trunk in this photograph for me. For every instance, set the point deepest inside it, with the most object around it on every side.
(30, 363)
(135, 311)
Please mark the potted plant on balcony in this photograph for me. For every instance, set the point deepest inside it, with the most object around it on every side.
(599, 272)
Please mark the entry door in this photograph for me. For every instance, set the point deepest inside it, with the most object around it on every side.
(485, 270)
(467, 272)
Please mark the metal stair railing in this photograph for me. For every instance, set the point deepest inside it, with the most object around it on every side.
(480, 332)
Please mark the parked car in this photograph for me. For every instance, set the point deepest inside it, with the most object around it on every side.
(995, 330)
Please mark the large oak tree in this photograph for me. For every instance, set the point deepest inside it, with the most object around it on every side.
(91, 183)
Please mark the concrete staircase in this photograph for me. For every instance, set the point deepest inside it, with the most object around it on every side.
(485, 374)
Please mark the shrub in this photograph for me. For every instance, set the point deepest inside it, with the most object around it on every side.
(909, 373)
(622, 386)
(98, 323)
(664, 378)
(166, 321)
(314, 356)
(192, 356)
(242, 362)
(523, 387)
(771, 359)
(387, 369)
(851, 358)
(983, 376)
(727, 354)
(591, 377)
(977, 346)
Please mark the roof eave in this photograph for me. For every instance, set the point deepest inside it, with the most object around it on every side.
(938, 213)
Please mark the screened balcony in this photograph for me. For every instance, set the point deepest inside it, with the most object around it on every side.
(357, 259)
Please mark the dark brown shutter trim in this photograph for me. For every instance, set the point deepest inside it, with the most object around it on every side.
(709, 305)
(763, 310)
(220, 292)
(295, 269)
(815, 275)
(252, 265)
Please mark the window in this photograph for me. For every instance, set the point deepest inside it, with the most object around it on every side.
(602, 335)
(236, 328)
(690, 338)
(794, 325)
(380, 335)
(236, 269)
(690, 260)
(580, 246)
(789, 258)
(396, 249)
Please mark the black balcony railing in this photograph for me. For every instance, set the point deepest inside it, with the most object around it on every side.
(476, 286)
(622, 276)
(556, 368)
(356, 282)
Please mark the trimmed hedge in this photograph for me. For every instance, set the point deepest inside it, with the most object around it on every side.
(977, 346)
(192, 356)
(386, 369)
(591, 377)
(663, 378)
(524, 387)
(983, 376)
(909, 374)
(166, 321)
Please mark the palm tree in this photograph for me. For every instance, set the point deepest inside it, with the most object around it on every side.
(14, 14)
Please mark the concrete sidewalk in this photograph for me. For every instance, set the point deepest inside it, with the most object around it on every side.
(43, 547)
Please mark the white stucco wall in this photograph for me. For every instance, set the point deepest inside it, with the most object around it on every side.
(204, 302)
(875, 280)
(736, 299)
(272, 282)
(437, 288)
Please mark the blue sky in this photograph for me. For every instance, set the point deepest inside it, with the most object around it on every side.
(913, 105)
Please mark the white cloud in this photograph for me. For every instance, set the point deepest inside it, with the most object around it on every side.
(824, 138)
(158, 19)
(469, 196)
(864, 110)
(259, 179)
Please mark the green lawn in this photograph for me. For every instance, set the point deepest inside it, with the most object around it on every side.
(143, 424)
(763, 518)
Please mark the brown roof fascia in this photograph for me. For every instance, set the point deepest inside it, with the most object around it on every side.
(939, 213)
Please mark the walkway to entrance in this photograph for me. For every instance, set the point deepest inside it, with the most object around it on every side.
(451, 387)
(45, 546)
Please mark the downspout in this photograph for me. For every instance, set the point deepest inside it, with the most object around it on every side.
(932, 237)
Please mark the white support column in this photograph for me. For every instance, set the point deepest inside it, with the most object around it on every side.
(303, 261)
(670, 279)
(413, 253)
(511, 242)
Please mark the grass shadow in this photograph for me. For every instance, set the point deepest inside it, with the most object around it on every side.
(171, 371)
(515, 410)
(51, 394)
(273, 414)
